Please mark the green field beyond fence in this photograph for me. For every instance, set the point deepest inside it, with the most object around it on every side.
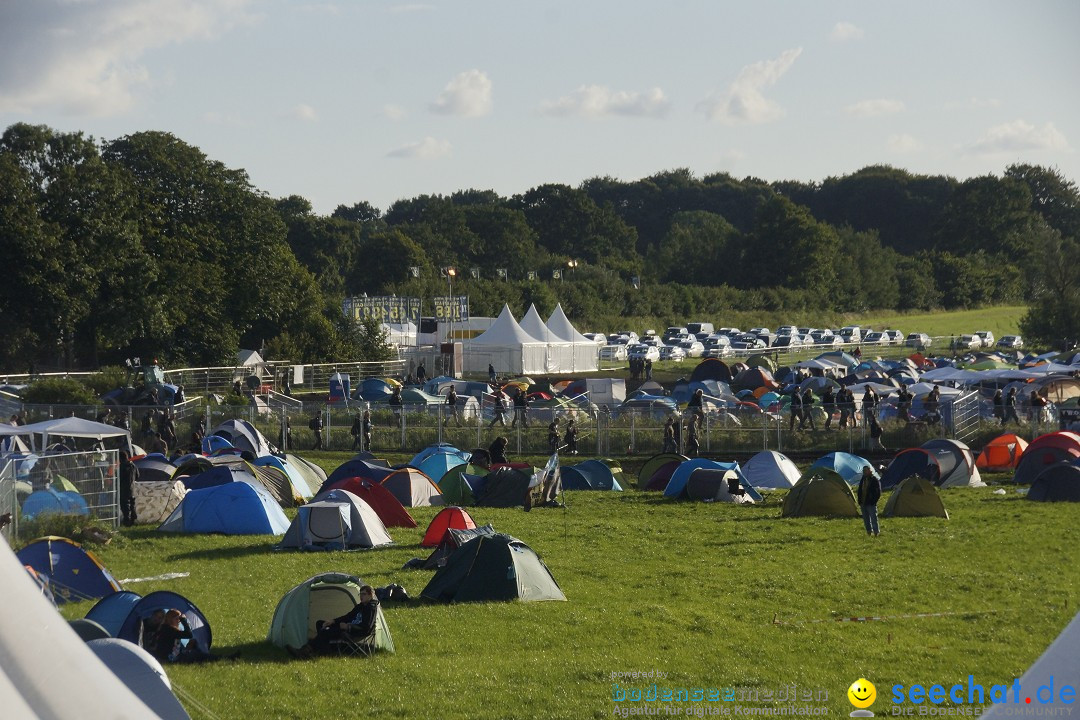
(692, 595)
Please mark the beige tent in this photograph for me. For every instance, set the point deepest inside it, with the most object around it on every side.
(915, 497)
(820, 492)
(155, 501)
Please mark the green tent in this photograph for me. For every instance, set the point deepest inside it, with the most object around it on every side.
(820, 491)
(915, 497)
(455, 490)
(323, 597)
(496, 567)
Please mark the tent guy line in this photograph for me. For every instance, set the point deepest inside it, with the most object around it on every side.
(872, 618)
(166, 576)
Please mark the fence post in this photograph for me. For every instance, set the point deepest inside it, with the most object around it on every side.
(633, 428)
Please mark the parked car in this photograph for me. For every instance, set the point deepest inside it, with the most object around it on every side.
(851, 334)
(1010, 342)
(986, 336)
(598, 338)
(613, 352)
(731, 332)
(896, 337)
(967, 342)
(651, 340)
(787, 330)
(787, 341)
(747, 341)
(717, 346)
(672, 352)
(918, 340)
(875, 338)
(693, 348)
(696, 328)
(674, 334)
(718, 351)
(630, 335)
(642, 351)
(822, 336)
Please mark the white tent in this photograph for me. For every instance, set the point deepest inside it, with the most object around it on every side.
(46, 670)
(1056, 668)
(586, 352)
(560, 353)
(67, 427)
(507, 347)
(770, 469)
(142, 674)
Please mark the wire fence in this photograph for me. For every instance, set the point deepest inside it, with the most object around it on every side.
(84, 483)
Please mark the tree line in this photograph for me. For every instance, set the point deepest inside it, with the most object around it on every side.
(144, 246)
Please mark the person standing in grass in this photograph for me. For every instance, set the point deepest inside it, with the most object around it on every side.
(670, 446)
(553, 436)
(869, 494)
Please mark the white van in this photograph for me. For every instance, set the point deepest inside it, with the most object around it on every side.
(851, 334)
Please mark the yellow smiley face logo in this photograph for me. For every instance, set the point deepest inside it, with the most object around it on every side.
(862, 693)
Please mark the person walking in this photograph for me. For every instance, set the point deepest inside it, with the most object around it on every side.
(357, 432)
(451, 407)
(499, 407)
(869, 494)
(553, 436)
(129, 474)
(692, 445)
(808, 409)
(316, 425)
(670, 446)
(796, 410)
(1010, 407)
(570, 439)
(521, 409)
(366, 420)
(828, 404)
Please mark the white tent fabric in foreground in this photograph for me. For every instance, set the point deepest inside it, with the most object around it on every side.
(1058, 666)
(46, 670)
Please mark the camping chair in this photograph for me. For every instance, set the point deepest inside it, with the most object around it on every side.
(349, 645)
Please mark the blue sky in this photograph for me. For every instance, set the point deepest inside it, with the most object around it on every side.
(346, 101)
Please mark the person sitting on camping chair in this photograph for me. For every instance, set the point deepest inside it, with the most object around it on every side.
(357, 627)
(162, 635)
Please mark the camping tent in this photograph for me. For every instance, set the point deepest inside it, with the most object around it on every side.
(942, 462)
(454, 517)
(504, 486)
(355, 468)
(412, 488)
(386, 506)
(915, 497)
(1001, 454)
(656, 471)
(142, 674)
(243, 436)
(820, 492)
(849, 466)
(323, 597)
(235, 508)
(1045, 451)
(453, 539)
(966, 473)
(589, 475)
(74, 573)
(507, 347)
(770, 469)
(454, 488)
(131, 627)
(338, 520)
(154, 468)
(1057, 483)
(155, 501)
(51, 502)
(436, 461)
(677, 484)
(46, 670)
(496, 567)
(711, 484)
(1059, 661)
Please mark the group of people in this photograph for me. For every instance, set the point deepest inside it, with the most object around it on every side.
(842, 400)
(640, 367)
(1005, 407)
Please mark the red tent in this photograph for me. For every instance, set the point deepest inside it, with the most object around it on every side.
(1043, 452)
(450, 517)
(381, 500)
(1002, 453)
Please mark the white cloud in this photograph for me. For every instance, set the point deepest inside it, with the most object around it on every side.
(875, 108)
(427, 149)
(744, 101)
(83, 57)
(393, 112)
(1019, 136)
(973, 102)
(302, 112)
(903, 143)
(845, 31)
(468, 95)
(597, 101)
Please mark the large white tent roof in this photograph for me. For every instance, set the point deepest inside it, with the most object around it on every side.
(533, 324)
(561, 326)
(505, 331)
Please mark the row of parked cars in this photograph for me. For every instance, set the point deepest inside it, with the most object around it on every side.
(703, 340)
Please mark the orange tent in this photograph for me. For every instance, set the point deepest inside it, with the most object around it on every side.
(1002, 453)
(450, 517)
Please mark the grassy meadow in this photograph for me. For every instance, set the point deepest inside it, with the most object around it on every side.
(713, 595)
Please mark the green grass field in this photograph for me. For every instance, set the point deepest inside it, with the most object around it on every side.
(713, 595)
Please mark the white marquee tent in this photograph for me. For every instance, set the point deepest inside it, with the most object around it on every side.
(507, 347)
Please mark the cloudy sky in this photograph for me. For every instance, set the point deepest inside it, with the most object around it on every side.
(380, 100)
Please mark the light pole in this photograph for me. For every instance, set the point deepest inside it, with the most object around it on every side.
(571, 264)
(450, 273)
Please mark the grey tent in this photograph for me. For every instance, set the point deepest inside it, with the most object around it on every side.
(143, 675)
(495, 567)
(451, 541)
(338, 520)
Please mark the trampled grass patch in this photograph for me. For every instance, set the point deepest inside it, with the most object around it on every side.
(712, 595)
